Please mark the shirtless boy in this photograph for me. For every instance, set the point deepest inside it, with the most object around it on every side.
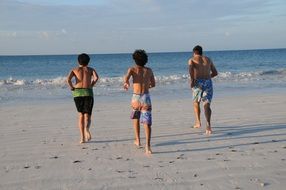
(201, 70)
(85, 79)
(143, 79)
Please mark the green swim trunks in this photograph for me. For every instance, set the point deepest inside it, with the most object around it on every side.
(83, 98)
(80, 92)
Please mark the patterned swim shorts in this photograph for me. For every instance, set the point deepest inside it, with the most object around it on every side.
(203, 90)
(142, 107)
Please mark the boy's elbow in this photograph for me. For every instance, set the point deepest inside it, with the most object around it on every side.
(214, 74)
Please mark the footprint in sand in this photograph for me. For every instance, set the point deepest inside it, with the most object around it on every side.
(171, 162)
(26, 167)
(180, 157)
(54, 157)
(76, 161)
(262, 184)
(37, 167)
(119, 158)
(158, 178)
(196, 175)
(120, 171)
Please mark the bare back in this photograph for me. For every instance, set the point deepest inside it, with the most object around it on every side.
(202, 67)
(85, 77)
(142, 77)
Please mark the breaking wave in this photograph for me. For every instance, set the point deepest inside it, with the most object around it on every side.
(105, 82)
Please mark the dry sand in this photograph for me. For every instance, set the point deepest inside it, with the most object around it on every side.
(39, 147)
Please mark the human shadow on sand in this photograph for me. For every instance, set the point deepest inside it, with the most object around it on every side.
(229, 133)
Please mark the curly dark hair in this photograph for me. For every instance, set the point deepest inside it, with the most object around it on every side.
(140, 57)
(83, 59)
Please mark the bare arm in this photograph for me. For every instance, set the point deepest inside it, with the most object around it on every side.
(213, 70)
(126, 79)
(152, 80)
(69, 78)
(191, 72)
(94, 77)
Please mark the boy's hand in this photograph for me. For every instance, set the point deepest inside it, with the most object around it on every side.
(192, 83)
(126, 86)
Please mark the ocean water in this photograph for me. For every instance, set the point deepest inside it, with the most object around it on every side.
(42, 78)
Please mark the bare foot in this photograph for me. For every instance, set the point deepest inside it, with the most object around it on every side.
(82, 141)
(137, 144)
(88, 135)
(148, 150)
(209, 131)
(197, 125)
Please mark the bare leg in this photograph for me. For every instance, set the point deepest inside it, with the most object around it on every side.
(197, 112)
(148, 131)
(87, 126)
(208, 113)
(136, 126)
(81, 127)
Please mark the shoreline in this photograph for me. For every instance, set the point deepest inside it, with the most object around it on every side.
(160, 93)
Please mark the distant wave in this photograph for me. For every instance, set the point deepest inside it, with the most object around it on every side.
(271, 75)
(114, 82)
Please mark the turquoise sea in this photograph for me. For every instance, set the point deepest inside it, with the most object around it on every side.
(42, 77)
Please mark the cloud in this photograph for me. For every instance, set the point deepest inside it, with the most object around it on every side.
(121, 25)
(6, 34)
(44, 35)
(64, 31)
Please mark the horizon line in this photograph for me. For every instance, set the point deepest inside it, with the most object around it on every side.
(153, 52)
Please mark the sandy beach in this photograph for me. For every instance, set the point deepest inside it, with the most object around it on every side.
(39, 146)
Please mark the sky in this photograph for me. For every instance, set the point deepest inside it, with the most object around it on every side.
(121, 26)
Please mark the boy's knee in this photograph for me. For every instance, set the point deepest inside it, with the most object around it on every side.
(196, 103)
(207, 106)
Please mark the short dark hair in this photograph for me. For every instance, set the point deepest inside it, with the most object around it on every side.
(140, 57)
(198, 49)
(83, 59)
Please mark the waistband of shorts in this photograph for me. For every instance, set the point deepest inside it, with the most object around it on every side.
(203, 80)
(79, 92)
(141, 94)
